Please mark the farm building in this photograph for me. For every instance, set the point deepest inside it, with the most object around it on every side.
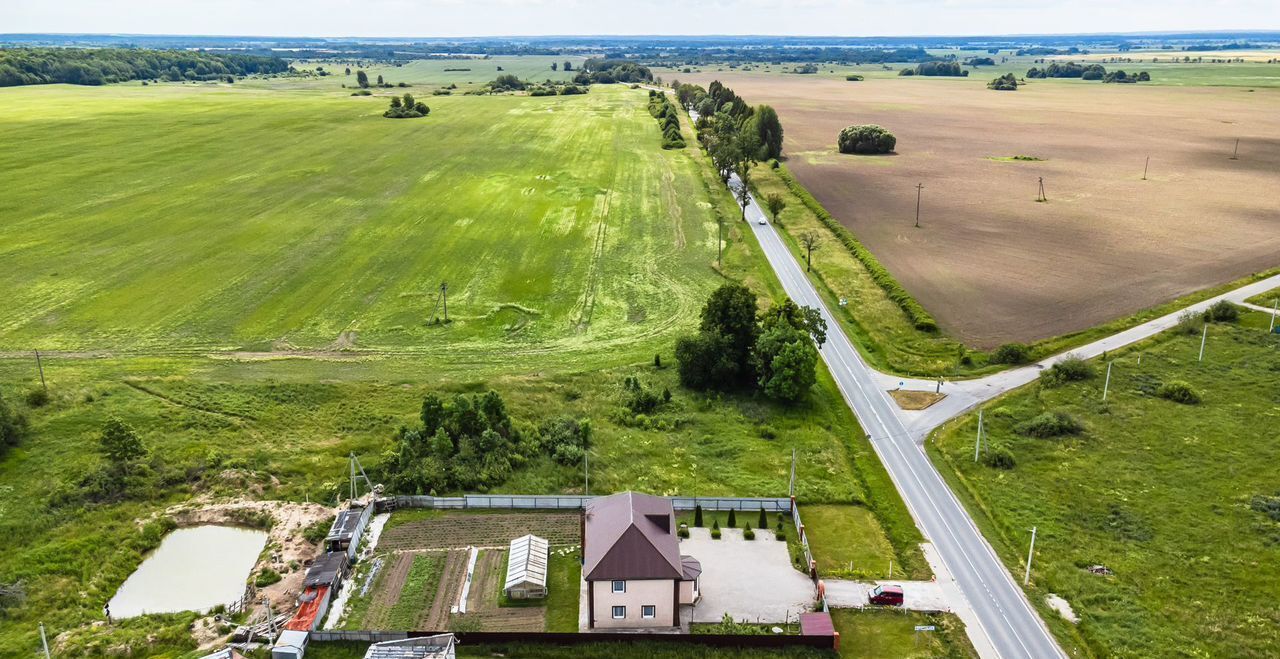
(526, 568)
(636, 577)
(440, 646)
(225, 653)
(344, 535)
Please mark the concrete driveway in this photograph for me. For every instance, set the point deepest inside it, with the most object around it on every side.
(750, 580)
(916, 595)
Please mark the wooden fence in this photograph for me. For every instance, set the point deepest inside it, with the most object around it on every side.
(569, 638)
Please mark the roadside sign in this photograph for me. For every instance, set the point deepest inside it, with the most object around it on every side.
(926, 628)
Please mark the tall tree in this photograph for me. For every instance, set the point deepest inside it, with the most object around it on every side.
(362, 79)
(120, 444)
(810, 240)
(768, 131)
(775, 203)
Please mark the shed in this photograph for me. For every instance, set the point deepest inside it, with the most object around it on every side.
(344, 534)
(526, 568)
(440, 646)
(327, 570)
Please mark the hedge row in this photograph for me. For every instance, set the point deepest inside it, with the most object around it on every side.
(915, 313)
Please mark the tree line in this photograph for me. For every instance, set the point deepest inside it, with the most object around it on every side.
(607, 71)
(1086, 72)
(79, 66)
(952, 69)
(662, 109)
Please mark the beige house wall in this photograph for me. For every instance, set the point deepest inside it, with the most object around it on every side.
(688, 593)
(659, 593)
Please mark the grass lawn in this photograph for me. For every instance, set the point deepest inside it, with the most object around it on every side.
(230, 240)
(564, 574)
(849, 543)
(1266, 299)
(1170, 497)
(873, 633)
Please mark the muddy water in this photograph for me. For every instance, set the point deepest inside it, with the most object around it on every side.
(194, 569)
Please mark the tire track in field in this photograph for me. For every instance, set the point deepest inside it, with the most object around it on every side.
(587, 303)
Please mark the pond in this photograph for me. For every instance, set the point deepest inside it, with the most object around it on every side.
(194, 569)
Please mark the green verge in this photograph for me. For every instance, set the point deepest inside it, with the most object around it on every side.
(878, 323)
(564, 574)
(1266, 299)
(1167, 496)
(891, 634)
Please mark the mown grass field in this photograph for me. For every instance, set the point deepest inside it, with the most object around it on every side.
(1265, 299)
(245, 276)
(235, 219)
(1161, 493)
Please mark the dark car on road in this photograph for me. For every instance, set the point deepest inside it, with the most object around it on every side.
(886, 596)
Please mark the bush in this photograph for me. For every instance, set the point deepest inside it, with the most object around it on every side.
(1005, 83)
(1012, 353)
(317, 532)
(715, 534)
(697, 515)
(763, 522)
(748, 534)
(266, 577)
(733, 519)
(853, 77)
(780, 535)
(999, 458)
(1071, 369)
(1049, 424)
(1178, 391)
(866, 139)
(683, 532)
(362, 92)
(1189, 323)
(12, 426)
(1222, 312)
(38, 397)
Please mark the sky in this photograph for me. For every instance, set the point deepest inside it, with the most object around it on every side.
(457, 18)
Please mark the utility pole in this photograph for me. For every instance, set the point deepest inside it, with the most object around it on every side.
(919, 187)
(978, 443)
(586, 473)
(1236, 151)
(1275, 304)
(719, 240)
(1204, 336)
(352, 463)
(791, 489)
(40, 368)
(45, 642)
(1041, 196)
(1026, 578)
(1107, 385)
(1144, 168)
(444, 295)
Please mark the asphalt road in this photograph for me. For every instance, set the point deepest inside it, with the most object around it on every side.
(1009, 624)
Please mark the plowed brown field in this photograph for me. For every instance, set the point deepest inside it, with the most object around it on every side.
(989, 261)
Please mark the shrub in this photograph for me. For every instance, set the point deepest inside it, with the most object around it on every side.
(733, 519)
(748, 534)
(999, 458)
(1222, 312)
(1049, 424)
(763, 522)
(317, 532)
(38, 397)
(362, 92)
(13, 426)
(779, 535)
(266, 577)
(1012, 353)
(657, 360)
(683, 532)
(1178, 391)
(1005, 83)
(866, 139)
(1189, 322)
(697, 515)
(853, 77)
(1070, 369)
(715, 533)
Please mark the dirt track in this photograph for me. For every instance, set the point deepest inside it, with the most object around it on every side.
(993, 264)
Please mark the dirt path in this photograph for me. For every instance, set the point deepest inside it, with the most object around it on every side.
(389, 594)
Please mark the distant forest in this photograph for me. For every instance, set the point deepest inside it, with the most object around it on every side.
(99, 66)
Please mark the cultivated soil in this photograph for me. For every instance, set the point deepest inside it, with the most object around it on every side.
(991, 263)
(482, 601)
(463, 530)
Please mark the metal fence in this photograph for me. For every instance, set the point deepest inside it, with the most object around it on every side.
(810, 565)
(577, 502)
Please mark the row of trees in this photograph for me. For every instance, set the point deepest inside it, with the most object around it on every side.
(607, 71)
(1085, 72)
(98, 66)
(1005, 83)
(775, 352)
(471, 442)
(935, 69)
(668, 117)
(866, 139)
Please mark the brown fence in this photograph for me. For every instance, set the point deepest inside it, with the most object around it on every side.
(554, 638)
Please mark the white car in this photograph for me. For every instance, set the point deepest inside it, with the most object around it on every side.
(761, 222)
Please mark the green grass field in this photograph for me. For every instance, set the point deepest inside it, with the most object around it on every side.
(1266, 299)
(1160, 493)
(234, 219)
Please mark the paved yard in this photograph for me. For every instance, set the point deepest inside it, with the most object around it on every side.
(916, 595)
(749, 579)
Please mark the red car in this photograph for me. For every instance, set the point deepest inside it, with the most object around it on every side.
(886, 596)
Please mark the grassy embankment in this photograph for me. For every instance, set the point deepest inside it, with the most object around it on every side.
(1170, 497)
(253, 274)
(883, 332)
(1266, 299)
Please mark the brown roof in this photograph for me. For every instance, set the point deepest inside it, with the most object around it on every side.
(690, 567)
(630, 536)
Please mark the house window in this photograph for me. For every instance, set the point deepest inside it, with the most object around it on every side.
(648, 611)
(619, 586)
(619, 612)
